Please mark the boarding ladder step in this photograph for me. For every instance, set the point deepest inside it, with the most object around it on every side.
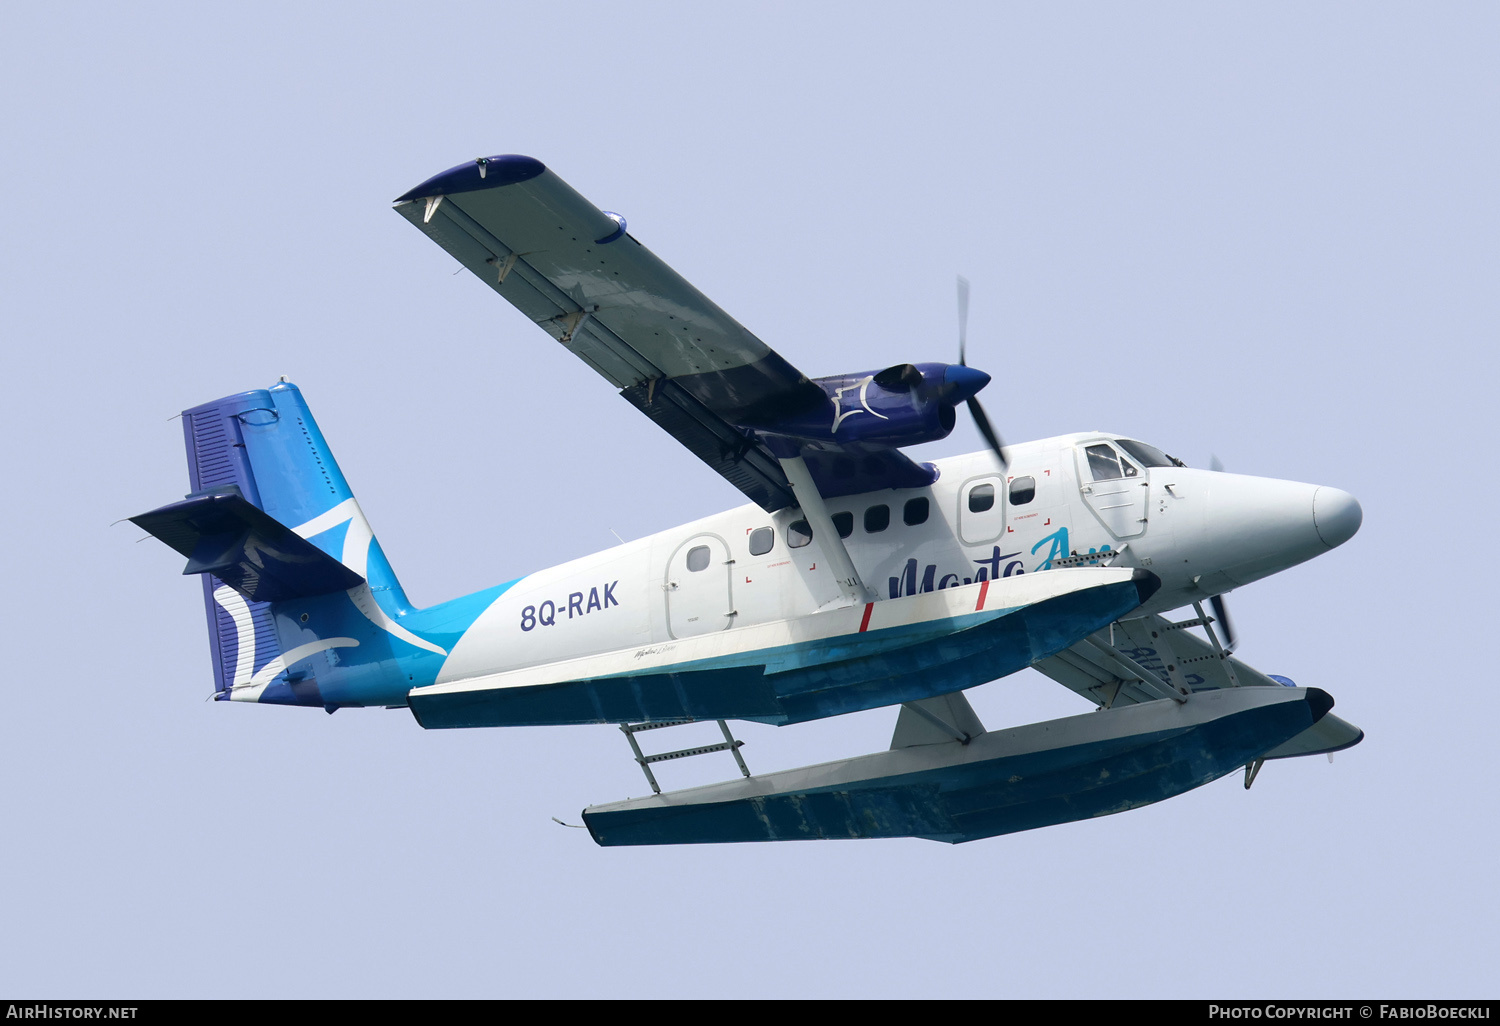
(729, 744)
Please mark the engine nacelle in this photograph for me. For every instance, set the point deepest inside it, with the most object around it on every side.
(902, 405)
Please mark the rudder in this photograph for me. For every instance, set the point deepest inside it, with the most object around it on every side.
(241, 632)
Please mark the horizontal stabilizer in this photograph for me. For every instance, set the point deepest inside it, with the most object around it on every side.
(1002, 781)
(222, 534)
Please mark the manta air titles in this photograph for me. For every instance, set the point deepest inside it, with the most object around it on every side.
(853, 578)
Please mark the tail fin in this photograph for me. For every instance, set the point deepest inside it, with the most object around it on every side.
(266, 445)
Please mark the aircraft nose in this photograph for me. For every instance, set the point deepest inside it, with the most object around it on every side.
(1337, 516)
(1252, 526)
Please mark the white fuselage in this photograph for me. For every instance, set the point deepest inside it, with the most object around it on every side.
(1201, 532)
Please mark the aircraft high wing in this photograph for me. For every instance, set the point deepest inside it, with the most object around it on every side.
(670, 350)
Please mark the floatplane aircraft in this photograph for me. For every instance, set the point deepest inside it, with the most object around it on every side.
(854, 578)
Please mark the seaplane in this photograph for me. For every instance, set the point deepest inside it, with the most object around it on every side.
(853, 578)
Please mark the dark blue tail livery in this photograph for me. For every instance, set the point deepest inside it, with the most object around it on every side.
(271, 523)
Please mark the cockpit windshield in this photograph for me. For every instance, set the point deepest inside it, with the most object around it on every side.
(1148, 455)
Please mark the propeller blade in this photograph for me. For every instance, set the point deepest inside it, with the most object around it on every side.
(963, 319)
(1221, 613)
(983, 423)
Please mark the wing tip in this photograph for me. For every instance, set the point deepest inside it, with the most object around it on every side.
(477, 174)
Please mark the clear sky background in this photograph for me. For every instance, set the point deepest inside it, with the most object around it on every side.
(1262, 231)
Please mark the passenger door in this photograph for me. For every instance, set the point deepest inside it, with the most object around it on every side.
(699, 587)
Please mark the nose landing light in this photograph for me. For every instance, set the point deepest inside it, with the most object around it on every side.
(1336, 515)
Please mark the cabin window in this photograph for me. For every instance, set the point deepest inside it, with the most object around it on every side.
(915, 511)
(877, 518)
(798, 534)
(697, 558)
(843, 523)
(981, 498)
(761, 540)
(1103, 463)
(1022, 490)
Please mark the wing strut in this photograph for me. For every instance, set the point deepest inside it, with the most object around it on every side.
(810, 500)
(1136, 673)
(936, 720)
(1219, 650)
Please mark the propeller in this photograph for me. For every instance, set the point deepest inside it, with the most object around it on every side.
(1221, 614)
(975, 410)
(1221, 611)
(963, 319)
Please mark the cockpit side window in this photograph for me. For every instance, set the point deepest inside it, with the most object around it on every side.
(1103, 463)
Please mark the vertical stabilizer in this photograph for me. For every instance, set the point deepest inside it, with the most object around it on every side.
(266, 445)
(300, 484)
